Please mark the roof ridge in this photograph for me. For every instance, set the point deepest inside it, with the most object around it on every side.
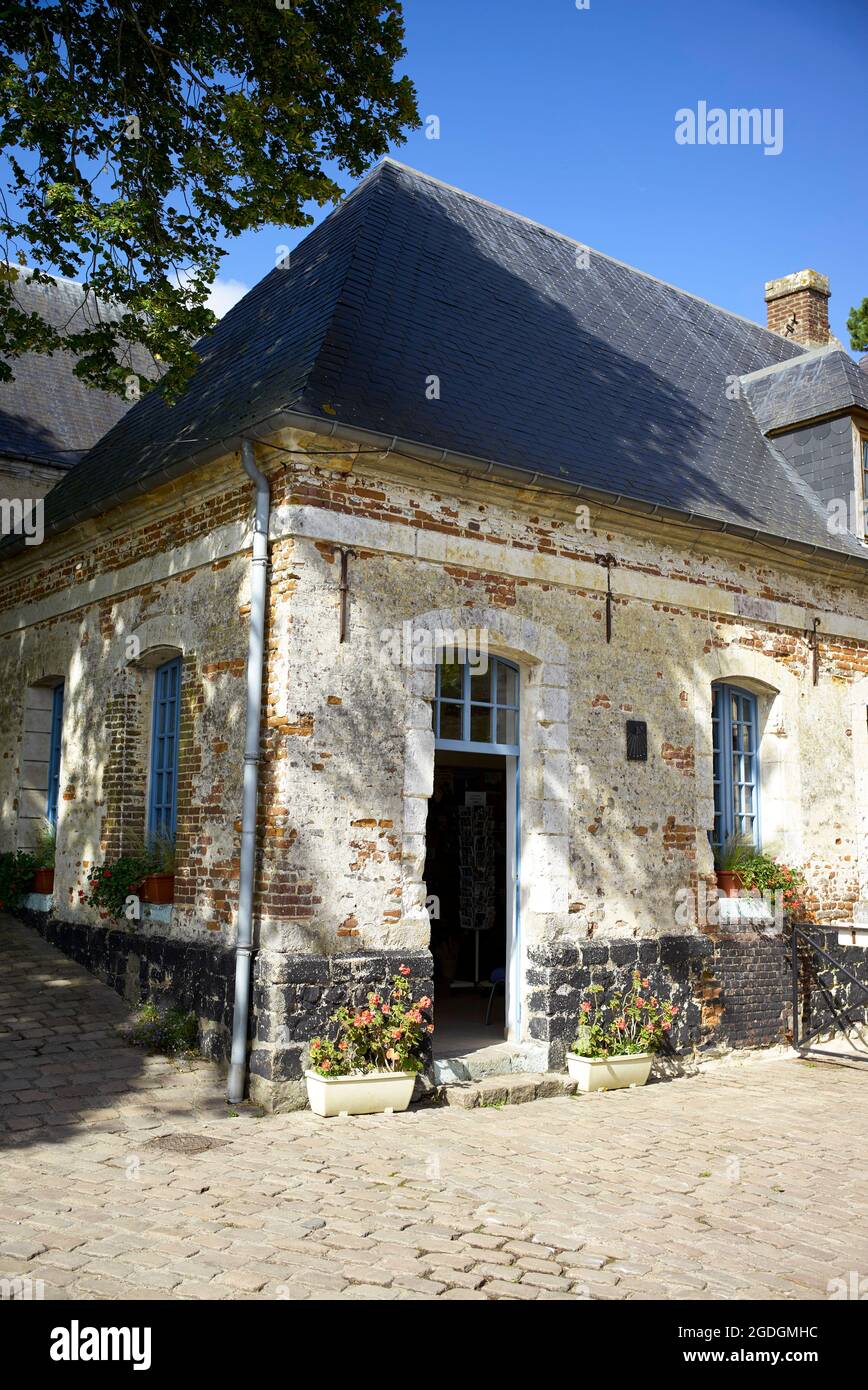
(810, 355)
(572, 241)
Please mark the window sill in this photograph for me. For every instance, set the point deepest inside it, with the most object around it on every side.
(38, 902)
(157, 914)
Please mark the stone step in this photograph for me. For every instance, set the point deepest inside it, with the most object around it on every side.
(494, 1060)
(510, 1088)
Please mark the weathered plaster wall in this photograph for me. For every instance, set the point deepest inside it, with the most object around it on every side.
(346, 741)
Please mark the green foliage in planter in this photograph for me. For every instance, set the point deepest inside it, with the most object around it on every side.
(625, 1022)
(387, 1034)
(16, 871)
(732, 853)
(160, 851)
(768, 875)
(174, 1032)
(46, 845)
(109, 885)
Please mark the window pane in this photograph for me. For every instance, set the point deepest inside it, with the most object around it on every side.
(451, 673)
(480, 686)
(480, 724)
(450, 721)
(506, 726)
(507, 685)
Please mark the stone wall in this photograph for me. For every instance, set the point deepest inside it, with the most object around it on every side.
(150, 968)
(608, 847)
(295, 996)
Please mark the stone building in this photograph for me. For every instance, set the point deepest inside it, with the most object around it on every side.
(545, 538)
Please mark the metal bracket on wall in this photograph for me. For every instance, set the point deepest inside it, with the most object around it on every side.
(609, 561)
(344, 592)
(814, 646)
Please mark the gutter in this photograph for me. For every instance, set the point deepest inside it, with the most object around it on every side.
(244, 947)
(527, 477)
(287, 418)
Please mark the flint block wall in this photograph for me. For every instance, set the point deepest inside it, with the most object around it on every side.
(159, 969)
(294, 998)
(729, 991)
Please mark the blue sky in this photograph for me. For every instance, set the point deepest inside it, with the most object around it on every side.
(568, 116)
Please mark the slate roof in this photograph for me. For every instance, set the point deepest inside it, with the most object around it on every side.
(602, 376)
(47, 415)
(823, 382)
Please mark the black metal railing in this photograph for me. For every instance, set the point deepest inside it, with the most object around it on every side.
(804, 971)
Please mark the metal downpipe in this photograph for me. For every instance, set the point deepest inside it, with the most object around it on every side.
(255, 662)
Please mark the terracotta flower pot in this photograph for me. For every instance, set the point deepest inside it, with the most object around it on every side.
(158, 888)
(43, 881)
(729, 882)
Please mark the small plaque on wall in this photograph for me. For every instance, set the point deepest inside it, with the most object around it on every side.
(637, 741)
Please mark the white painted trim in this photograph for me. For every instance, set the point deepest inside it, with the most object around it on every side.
(514, 953)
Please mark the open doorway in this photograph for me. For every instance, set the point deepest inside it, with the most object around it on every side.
(471, 857)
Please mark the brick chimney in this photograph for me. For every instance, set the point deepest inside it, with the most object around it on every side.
(798, 307)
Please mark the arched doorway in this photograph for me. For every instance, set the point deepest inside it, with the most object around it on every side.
(472, 851)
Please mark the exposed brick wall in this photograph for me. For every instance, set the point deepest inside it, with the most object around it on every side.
(747, 1005)
(798, 307)
(125, 778)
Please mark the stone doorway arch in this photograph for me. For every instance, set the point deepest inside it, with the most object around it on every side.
(543, 857)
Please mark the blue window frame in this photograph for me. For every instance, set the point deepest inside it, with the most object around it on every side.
(162, 801)
(736, 765)
(477, 709)
(54, 755)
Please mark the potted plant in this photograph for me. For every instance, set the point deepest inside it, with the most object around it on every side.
(765, 874)
(43, 854)
(730, 856)
(112, 883)
(372, 1065)
(16, 875)
(158, 884)
(617, 1037)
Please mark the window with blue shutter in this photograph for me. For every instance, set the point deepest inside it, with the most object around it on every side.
(54, 755)
(736, 765)
(162, 803)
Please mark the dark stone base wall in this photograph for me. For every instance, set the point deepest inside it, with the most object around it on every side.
(729, 991)
(734, 991)
(559, 974)
(747, 1004)
(153, 969)
(295, 996)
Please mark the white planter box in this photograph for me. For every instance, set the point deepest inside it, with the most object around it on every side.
(372, 1094)
(609, 1073)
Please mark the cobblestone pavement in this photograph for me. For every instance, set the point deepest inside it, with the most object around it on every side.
(747, 1181)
